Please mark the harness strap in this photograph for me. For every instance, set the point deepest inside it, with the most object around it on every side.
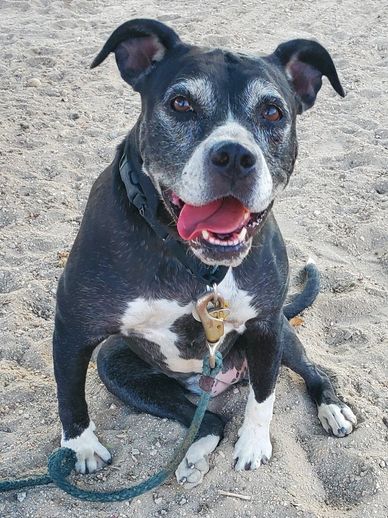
(143, 195)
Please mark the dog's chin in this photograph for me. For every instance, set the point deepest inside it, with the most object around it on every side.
(212, 254)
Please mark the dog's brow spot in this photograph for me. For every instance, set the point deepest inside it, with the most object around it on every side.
(200, 88)
(256, 89)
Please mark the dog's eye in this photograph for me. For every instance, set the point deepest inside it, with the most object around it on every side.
(272, 113)
(181, 104)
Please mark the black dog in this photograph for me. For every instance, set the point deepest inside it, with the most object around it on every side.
(186, 202)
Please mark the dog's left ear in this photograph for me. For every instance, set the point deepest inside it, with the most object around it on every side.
(304, 63)
(138, 45)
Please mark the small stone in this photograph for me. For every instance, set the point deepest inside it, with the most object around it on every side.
(21, 496)
(113, 406)
(382, 464)
(381, 187)
(135, 451)
(316, 212)
(182, 501)
(74, 116)
(34, 82)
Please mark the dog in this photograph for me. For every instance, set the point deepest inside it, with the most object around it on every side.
(188, 201)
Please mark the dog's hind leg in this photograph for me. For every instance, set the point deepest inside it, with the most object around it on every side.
(143, 387)
(334, 415)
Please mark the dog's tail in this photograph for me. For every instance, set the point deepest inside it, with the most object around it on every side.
(309, 293)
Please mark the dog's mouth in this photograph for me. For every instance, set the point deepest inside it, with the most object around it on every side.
(223, 225)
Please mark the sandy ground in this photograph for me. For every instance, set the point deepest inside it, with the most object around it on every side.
(60, 123)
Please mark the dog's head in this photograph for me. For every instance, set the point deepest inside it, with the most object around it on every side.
(217, 129)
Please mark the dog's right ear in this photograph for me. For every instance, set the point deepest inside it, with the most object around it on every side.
(138, 46)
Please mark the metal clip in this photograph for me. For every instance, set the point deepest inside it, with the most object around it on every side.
(212, 311)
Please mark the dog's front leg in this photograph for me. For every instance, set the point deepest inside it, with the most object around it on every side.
(263, 350)
(72, 350)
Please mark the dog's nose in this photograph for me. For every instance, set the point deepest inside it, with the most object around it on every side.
(232, 159)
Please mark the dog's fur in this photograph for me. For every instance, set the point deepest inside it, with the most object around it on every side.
(120, 284)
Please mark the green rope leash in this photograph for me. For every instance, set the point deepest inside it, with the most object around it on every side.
(62, 461)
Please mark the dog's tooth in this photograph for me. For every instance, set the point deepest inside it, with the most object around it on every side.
(242, 234)
(205, 234)
(212, 240)
(247, 216)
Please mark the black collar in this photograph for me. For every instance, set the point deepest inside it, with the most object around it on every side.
(143, 195)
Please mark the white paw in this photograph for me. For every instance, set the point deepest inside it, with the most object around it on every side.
(195, 465)
(253, 448)
(91, 454)
(337, 419)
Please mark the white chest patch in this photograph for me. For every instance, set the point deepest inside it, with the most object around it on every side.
(239, 302)
(153, 318)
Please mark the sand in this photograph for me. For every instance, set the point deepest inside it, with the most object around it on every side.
(60, 123)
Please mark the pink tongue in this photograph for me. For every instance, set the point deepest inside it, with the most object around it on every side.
(220, 216)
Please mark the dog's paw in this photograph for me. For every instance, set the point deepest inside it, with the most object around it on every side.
(91, 454)
(195, 465)
(337, 419)
(253, 448)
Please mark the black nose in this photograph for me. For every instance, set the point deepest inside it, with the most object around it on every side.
(232, 159)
